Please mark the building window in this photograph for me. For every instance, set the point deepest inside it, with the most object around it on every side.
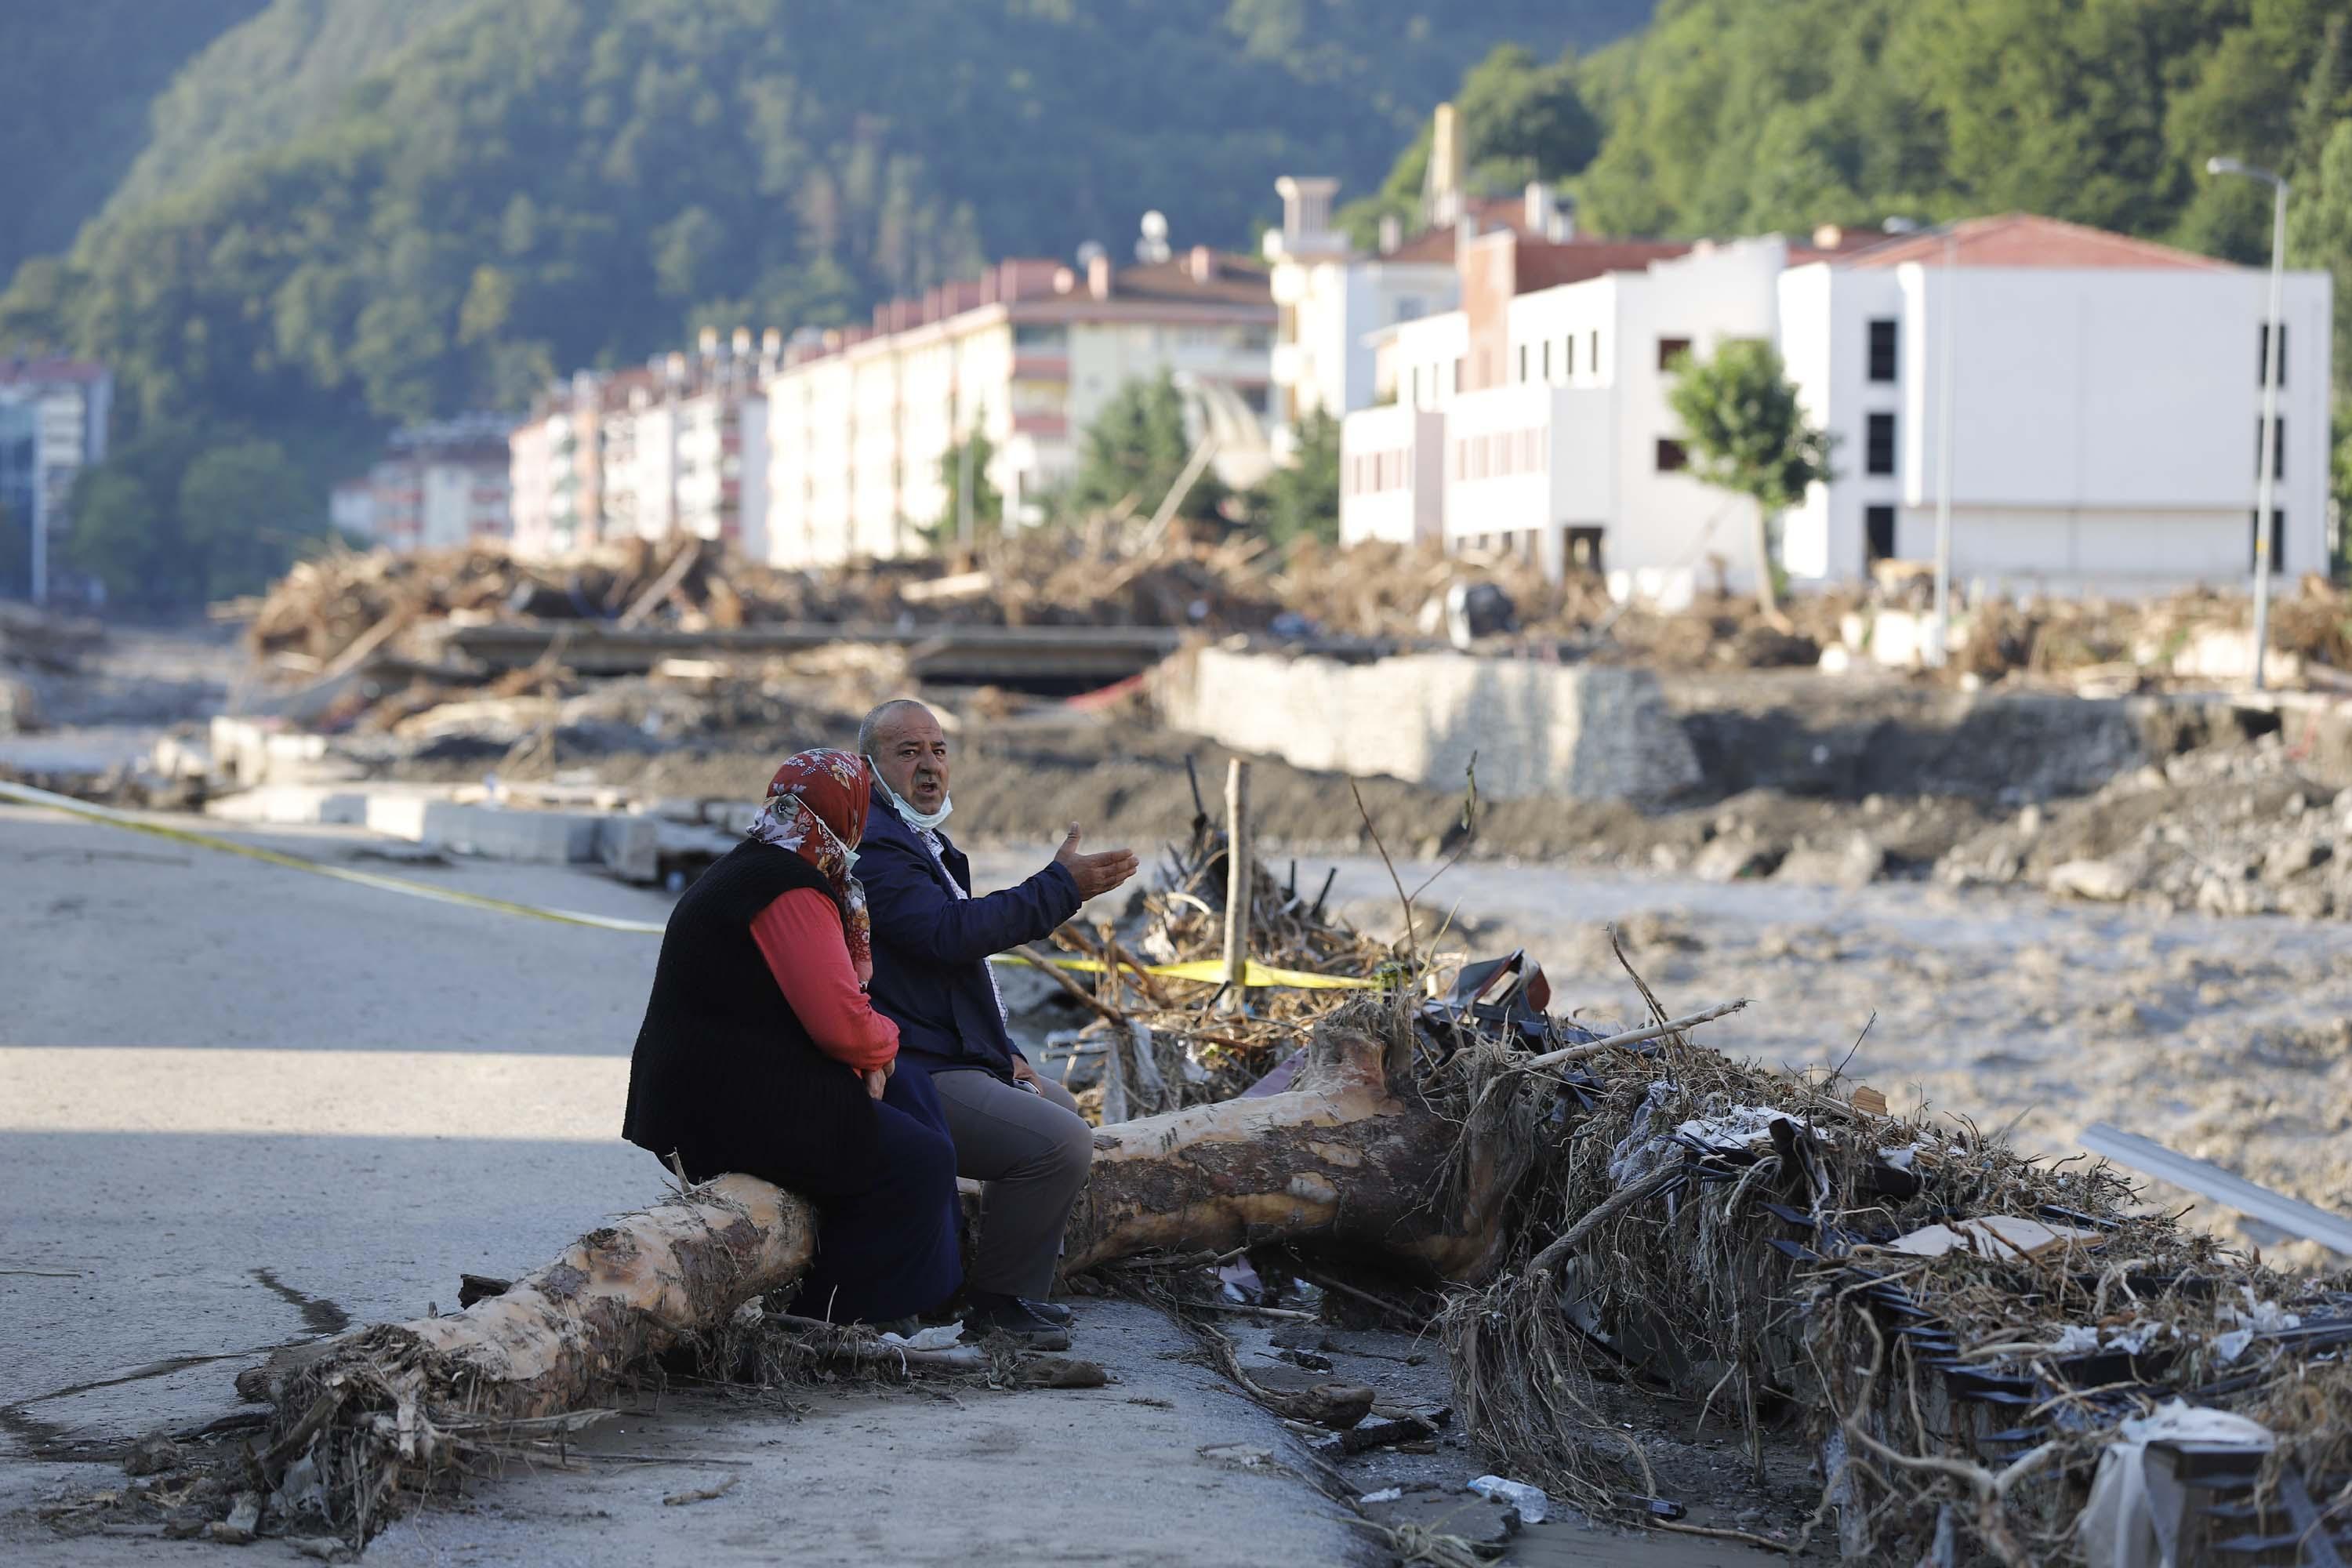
(1672, 457)
(1879, 444)
(1671, 350)
(1457, 375)
(1409, 308)
(1592, 359)
(1584, 549)
(2278, 539)
(1523, 361)
(2262, 354)
(1040, 335)
(1878, 533)
(1882, 351)
(1568, 357)
(2278, 446)
(1546, 360)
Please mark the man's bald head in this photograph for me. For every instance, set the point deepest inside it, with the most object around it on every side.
(909, 751)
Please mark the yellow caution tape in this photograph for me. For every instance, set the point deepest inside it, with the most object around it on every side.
(1209, 970)
(1213, 971)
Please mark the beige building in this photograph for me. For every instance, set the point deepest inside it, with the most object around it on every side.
(677, 448)
(859, 420)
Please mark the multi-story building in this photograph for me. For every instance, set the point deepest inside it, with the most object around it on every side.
(1334, 301)
(861, 420)
(437, 484)
(53, 424)
(675, 448)
(2100, 436)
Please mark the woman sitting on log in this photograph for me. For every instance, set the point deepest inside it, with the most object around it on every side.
(759, 1053)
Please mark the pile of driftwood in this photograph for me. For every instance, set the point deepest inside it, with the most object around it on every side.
(31, 638)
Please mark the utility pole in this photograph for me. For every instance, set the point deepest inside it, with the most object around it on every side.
(1945, 350)
(2274, 368)
(40, 584)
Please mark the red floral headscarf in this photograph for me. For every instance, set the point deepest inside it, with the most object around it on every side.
(817, 809)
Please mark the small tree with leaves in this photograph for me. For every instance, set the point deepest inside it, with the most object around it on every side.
(1135, 451)
(1747, 433)
(1302, 501)
(987, 504)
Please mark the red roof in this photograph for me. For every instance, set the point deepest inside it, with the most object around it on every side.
(51, 369)
(2028, 239)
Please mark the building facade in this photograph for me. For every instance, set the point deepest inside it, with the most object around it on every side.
(54, 414)
(437, 484)
(861, 422)
(2099, 439)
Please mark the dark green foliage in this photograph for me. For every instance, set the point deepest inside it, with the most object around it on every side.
(1745, 431)
(75, 81)
(1302, 501)
(510, 188)
(1519, 120)
(177, 517)
(1134, 450)
(1736, 116)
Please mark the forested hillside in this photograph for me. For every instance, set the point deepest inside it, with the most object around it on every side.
(1730, 116)
(75, 82)
(533, 184)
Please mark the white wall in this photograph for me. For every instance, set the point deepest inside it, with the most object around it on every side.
(1392, 465)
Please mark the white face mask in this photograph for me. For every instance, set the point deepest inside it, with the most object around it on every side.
(848, 856)
(908, 814)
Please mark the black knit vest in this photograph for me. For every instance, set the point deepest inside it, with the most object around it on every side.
(723, 1074)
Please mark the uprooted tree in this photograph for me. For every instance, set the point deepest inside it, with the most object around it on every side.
(1348, 1159)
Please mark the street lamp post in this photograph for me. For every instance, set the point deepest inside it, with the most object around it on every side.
(2274, 357)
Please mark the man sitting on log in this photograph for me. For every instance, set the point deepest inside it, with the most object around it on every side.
(1019, 1134)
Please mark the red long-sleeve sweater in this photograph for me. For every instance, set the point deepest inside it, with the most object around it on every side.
(800, 936)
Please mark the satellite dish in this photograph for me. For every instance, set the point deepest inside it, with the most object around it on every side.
(1153, 245)
(1089, 252)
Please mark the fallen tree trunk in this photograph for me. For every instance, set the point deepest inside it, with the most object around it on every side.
(1348, 1157)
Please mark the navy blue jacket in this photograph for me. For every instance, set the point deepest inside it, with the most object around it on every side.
(931, 947)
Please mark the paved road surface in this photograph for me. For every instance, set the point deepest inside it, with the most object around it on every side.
(239, 1106)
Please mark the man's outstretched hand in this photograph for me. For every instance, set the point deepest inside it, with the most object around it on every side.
(1095, 874)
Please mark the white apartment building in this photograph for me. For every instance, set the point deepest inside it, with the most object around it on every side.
(53, 424)
(860, 420)
(437, 484)
(2101, 441)
(1334, 301)
(678, 446)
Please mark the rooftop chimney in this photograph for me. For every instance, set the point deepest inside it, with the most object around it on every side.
(1099, 277)
(710, 343)
(1827, 236)
(1442, 186)
(742, 343)
(1392, 233)
(1201, 264)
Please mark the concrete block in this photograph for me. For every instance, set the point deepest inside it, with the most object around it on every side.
(630, 847)
(291, 805)
(1537, 728)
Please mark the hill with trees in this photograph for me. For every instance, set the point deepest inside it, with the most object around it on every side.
(75, 85)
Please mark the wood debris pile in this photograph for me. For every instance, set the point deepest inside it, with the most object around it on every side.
(1962, 1333)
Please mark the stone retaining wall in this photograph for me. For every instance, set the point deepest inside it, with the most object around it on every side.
(1585, 732)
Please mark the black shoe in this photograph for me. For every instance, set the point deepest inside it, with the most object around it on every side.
(1012, 1315)
(1052, 1311)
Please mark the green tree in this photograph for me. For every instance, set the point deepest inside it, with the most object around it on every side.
(123, 537)
(244, 511)
(1302, 501)
(987, 505)
(1135, 451)
(1519, 120)
(1747, 434)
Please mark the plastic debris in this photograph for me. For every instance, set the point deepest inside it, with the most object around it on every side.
(1386, 1494)
(1533, 1503)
